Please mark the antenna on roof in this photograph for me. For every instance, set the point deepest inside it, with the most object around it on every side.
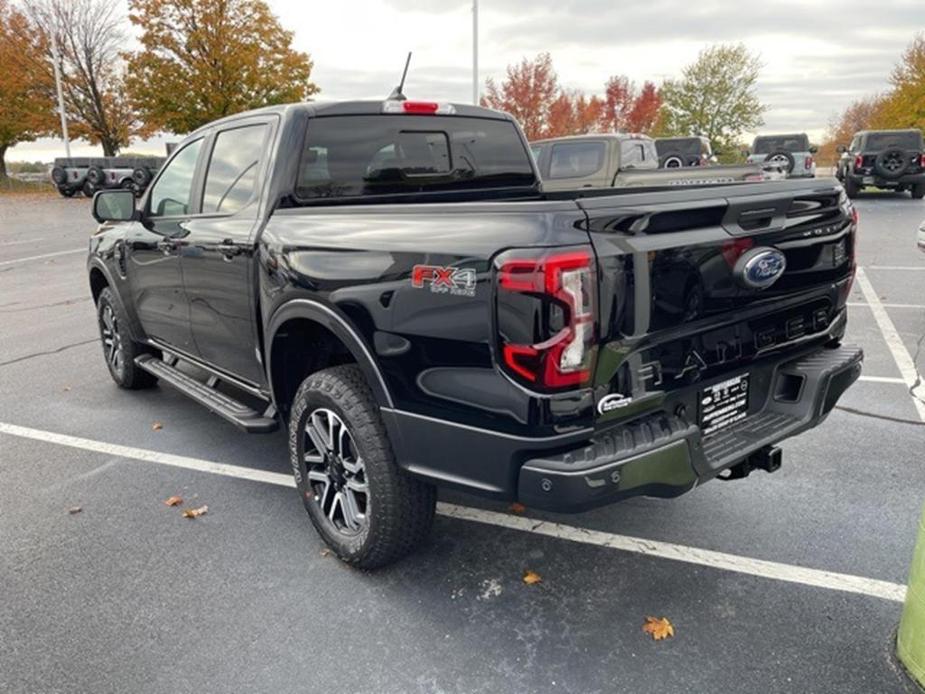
(396, 94)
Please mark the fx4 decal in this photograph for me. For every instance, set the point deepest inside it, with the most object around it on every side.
(458, 281)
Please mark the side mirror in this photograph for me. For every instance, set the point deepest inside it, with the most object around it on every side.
(116, 205)
(813, 149)
(841, 149)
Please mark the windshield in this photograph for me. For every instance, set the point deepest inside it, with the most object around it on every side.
(778, 143)
(350, 156)
(898, 140)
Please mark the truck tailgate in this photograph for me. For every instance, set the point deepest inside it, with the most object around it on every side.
(681, 298)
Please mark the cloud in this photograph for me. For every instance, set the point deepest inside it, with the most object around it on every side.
(818, 55)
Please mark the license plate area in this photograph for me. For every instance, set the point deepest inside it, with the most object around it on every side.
(723, 404)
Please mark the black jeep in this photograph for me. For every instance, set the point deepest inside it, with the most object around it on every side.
(891, 159)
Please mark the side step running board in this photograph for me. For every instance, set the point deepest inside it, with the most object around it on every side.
(234, 411)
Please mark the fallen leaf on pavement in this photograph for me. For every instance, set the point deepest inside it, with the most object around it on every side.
(74, 509)
(157, 426)
(517, 507)
(658, 627)
(326, 552)
(532, 577)
(66, 388)
(173, 501)
(195, 512)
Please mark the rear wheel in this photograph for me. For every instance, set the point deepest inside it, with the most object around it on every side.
(366, 509)
(673, 161)
(119, 350)
(88, 189)
(918, 191)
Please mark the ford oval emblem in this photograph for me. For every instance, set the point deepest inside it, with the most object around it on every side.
(759, 268)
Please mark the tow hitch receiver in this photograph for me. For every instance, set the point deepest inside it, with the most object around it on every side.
(768, 459)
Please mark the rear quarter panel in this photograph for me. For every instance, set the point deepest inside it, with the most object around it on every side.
(434, 344)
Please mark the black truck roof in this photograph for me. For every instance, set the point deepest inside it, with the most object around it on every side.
(357, 108)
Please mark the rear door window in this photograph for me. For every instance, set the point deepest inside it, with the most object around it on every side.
(638, 154)
(576, 159)
(231, 180)
(353, 156)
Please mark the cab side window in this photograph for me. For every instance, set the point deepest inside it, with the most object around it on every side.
(172, 195)
(231, 180)
(575, 159)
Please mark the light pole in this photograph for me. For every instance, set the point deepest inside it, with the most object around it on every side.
(475, 52)
(54, 57)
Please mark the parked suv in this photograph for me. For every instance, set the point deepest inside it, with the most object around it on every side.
(891, 159)
(676, 152)
(791, 154)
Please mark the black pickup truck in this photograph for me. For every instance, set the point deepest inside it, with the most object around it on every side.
(389, 281)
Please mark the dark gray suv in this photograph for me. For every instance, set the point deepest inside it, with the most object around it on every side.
(891, 159)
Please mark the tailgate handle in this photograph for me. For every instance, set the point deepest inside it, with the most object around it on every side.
(754, 218)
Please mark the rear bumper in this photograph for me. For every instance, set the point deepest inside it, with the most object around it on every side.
(666, 455)
(881, 182)
(659, 455)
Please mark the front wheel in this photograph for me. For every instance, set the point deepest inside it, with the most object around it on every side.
(119, 350)
(364, 507)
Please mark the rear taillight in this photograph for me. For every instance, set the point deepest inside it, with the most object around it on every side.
(922, 161)
(808, 163)
(546, 321)
(858, 162)
(418, 108)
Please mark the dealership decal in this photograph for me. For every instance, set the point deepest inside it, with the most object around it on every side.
(458, 281)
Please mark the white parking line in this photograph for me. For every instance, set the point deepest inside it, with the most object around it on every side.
(901, 356)
(882, 379)
(914, 268)
(17, 243)
(864, 304)
(40, 257)
(789, 573)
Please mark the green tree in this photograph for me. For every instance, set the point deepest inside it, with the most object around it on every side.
(715, 96)
(26, 109)
(204, 59)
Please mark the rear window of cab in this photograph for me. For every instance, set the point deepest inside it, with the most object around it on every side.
(370, 155)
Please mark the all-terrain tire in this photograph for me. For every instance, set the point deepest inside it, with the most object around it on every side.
(119, 350)
(918, 191)
(400, 509)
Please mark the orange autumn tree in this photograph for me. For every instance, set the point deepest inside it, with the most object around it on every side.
(528, 93)
(531, 93)
(204, 59)
(26, 107)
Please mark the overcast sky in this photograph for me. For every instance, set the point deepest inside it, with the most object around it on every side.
(818, 55)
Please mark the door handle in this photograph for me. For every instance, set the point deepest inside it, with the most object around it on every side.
(229, 249)
(167, 246)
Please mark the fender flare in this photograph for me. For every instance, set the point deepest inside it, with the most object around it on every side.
(134, 327)
(342, 328)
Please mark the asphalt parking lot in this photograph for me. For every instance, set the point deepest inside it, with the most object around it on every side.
(790, 582)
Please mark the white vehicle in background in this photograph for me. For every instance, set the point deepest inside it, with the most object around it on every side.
(791, 154)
